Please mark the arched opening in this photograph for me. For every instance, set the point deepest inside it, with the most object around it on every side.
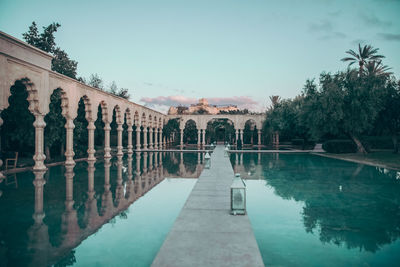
(80, 130)
(99, 131)
(250, 133)
(17, 131)
(190, 133)
(220, 131)
(54, 132)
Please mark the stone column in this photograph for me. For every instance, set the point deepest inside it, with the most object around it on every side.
(130, 147)
(236, 136)
(151, 136)
(203, 139)
(162, 140)
(181, 141)
(241, 135)
(39, 156)
(107, 148)
(91, 127)
(119, 140)
(144, 138)
(137, 138)
(69, 142)
(198, 138)
(156, 138)
(259, 137)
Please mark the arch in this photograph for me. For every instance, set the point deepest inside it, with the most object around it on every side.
(118, 114)
(128, 117)
(104, 111)
(88, 108)
(150, 121)
(143, 120)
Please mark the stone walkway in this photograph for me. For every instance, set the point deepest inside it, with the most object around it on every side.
(205, 234)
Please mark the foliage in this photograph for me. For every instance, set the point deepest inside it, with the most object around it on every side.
(99, 131)
(285, 116)
(363, 57)
(80, 131)
(63, 64)
(171, 126)
(388, 121)
(95, 81)
(18, 133)
(121, 92)
(45, 41)
(54, 133)
(345, 103)
(190, 132)
(339, 146)
(239, 111)
(212, 126)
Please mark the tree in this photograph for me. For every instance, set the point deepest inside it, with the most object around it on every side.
(63, 64)
(95, 81)
(344, 104)
(364, 55)
(45, 41)
(18, 133)
(54, 133)
(121, 92)
(388, 121)
(376, 68)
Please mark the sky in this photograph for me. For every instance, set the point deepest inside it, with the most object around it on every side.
(228, 51)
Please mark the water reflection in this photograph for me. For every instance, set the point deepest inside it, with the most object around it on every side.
(347, 204)
(50, 213)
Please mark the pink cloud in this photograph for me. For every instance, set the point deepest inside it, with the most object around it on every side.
(241, 102)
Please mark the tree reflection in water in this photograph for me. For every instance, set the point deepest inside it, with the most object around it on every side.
(346, 204)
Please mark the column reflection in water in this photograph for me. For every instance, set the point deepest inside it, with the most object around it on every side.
(119, 191)
(130, 193)
(91, 213)
(38, 234)
(106, 199)
(69, 226)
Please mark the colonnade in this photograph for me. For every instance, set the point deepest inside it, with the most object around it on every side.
(201, 133)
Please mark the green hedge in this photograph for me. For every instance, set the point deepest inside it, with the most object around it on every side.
(378, 142)
(339, 146)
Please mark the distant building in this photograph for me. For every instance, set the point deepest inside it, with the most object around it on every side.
(201, 108)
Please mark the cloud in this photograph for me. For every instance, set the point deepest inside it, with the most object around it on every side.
(325, 30)
(389, 36)
(321, 26)
(166, 101)
(358, 41)
(372, 20)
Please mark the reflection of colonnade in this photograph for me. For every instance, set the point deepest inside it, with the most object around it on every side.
(127, 191)
(238, 121)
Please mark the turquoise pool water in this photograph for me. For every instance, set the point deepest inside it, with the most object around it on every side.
(308, 210)
(113, 213)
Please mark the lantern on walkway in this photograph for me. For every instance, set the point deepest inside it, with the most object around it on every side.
(207, 161)
(226, 152)
(238, 196)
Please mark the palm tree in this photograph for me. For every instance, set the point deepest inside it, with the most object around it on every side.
(275, 99)
(364, 55)
(376, 68)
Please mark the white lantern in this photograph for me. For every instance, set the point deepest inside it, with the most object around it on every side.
(238, 196)
(207, 161)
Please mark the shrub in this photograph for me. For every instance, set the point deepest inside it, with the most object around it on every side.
(339, 146)
(297, 142)
(378, 142)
